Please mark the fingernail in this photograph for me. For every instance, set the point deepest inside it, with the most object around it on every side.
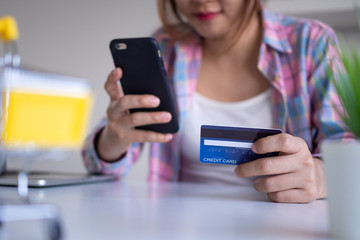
(166, 116)
(168, 137)
(253, 148)
(113, 72)
(154, 101)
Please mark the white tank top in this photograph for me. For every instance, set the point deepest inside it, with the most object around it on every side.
(253, 112)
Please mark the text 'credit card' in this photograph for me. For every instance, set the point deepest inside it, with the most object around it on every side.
(231, 145)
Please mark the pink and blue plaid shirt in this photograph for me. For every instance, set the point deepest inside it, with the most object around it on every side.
(294, 56)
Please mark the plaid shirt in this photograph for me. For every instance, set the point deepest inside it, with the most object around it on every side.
(294, 56)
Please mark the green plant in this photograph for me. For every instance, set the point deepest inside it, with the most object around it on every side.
(348, 88)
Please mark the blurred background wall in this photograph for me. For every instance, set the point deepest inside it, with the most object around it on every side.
(72, 37)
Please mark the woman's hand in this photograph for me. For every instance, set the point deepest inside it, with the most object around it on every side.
(293, 176)
(120, 132)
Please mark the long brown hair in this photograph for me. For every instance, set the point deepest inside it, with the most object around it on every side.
(178, 29)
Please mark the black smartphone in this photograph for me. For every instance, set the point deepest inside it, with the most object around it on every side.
(144, 73)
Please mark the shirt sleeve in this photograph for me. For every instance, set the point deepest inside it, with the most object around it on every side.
(96, 165)
(326, 107)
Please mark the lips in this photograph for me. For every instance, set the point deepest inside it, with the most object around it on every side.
(206, 16)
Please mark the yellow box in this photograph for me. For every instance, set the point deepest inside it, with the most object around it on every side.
(42, 110)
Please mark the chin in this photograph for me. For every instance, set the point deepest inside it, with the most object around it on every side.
(208, 35)
(211, 33)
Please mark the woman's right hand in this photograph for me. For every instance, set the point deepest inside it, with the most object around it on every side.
(120, 132)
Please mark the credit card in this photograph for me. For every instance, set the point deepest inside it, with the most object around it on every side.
(231, 145)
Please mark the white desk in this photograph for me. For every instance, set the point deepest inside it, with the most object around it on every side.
(138, 210)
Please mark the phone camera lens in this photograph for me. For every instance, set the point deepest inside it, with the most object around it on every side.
(120, 46)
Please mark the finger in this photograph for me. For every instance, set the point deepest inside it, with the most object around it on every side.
(150, 136)
(267, 166)
(112, 84)
(144, 118)
(277, 183)
(282, 142)
(293, 196)
(128, 102)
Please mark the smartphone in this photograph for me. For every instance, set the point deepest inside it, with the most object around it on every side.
(144, 73)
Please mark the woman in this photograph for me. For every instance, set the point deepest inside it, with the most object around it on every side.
(231, 62)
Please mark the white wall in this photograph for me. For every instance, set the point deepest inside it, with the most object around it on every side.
(72, 37)
(340, 14)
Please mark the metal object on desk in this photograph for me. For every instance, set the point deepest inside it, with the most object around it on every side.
(25, 212)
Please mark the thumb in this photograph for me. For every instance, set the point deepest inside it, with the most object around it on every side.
(112, 84)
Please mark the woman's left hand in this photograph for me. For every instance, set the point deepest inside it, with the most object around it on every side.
(293, 176)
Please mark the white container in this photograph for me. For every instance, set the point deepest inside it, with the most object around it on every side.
(342, 168)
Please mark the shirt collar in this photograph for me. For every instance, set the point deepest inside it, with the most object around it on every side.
(274, 32)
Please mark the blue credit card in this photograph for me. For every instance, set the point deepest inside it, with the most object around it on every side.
(231, 145)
